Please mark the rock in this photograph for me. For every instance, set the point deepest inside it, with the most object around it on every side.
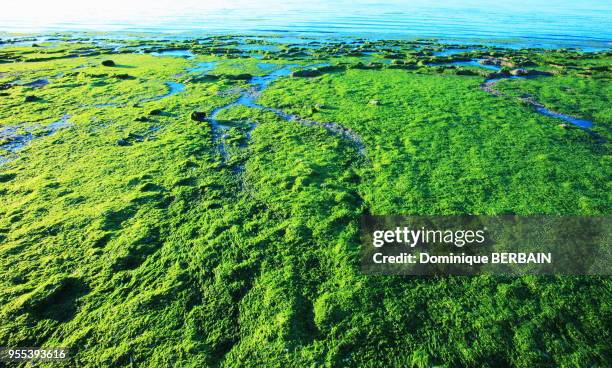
(141, 119)
(374, 103)
(155, 112)
(244, 76)
(404, 66)
(130, 139)
(306, 73)
(564, 126)
(494, 61)
(394, 56)
(123, 76)
(331, 68)
(108, 63)
(4, 178)
(209, 77)
(204, 78)
(198, 116)
(518, 72)
(30, 98)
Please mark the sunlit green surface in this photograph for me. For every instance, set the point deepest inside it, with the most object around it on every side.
(159, 251)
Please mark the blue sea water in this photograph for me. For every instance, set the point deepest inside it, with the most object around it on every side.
(535, 23)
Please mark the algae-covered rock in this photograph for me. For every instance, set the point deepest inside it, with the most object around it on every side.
(465, 72)
(306, 73)
(108, 63)
(198, 116)
(123, 76)
(204, 78)
(518, 72)
(243, 77)
(6, 177)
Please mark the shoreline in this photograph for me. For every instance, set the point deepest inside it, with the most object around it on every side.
(514, 43)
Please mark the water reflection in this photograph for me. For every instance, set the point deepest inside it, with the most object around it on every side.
(537, 23)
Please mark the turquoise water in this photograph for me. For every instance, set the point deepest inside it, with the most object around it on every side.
(536, 23)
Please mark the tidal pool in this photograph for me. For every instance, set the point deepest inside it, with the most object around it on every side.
(174, 88)
(249, 96)
(472, 63)
(203, 67)
(175, 53)
(17, 138)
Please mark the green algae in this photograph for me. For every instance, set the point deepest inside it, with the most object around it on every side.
(158, 252)
(586, 98)
(441, 145)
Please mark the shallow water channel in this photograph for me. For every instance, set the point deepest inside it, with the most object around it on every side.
(248, 98)
(489, 86)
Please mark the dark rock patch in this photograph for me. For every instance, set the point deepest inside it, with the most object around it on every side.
(198, 116)
(242, 77)
(518, 72)
(204, 78)
(130, 139)
(4, 178)
(306, 73)
(123, 76)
